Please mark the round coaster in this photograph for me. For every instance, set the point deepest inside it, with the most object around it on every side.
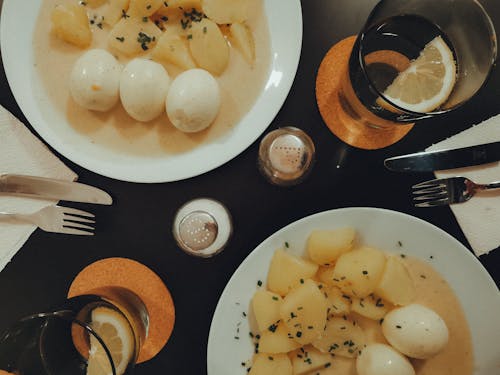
(142, 281)
(337, 117)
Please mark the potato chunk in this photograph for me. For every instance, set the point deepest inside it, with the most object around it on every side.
(226, 11)
(208, 46)
(341, 337)
(132, 36)
(396, 284)
(95, 3)
(144, 8)
(304, 312)
(286, 271)
(275, 364)
(359, 271)
(338, 303)
(71, 24)
(308, 359)
(325, 275)
(171, 48)
(266, 308)
(242, 39)
(326, 246)
(371, 307)
(277, 339)
(115, 11)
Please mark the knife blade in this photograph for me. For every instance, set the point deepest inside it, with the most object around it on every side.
(47, 188)
(445, 159)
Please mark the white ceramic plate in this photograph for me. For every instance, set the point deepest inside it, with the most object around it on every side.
(474, 287)
(16, 31)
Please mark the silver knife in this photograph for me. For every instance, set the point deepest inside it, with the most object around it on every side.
(445, 159)
(47, 188)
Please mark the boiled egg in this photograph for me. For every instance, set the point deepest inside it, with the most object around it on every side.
(193, 100)
(415, 331)
(381, 359)
(144, 86)
(95, 80)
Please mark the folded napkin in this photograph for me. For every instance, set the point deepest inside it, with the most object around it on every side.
(22, 153)
(479, 217)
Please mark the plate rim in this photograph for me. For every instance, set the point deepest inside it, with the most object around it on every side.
(257, 249)
(29, 106)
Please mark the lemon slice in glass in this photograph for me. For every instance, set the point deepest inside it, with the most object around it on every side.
(116, 332)
(427, 83)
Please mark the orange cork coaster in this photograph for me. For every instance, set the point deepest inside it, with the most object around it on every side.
(142, 281)
(350, 122)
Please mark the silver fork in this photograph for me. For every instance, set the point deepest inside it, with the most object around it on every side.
(56, 219)
(448, 191)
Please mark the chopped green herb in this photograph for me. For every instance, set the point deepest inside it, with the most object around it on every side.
(190, 36)
(120, 39)
(302, 281)
(145, 19)
(287, 245)
(272, 327)
(365, 272)
(298, 334)
(275, 298)
(271, 358)
(259, 283)
(398, 327)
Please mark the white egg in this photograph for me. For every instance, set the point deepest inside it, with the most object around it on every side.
(381, 359)
(193, 101)
(95, 80)
(144, 86)
(416, 331)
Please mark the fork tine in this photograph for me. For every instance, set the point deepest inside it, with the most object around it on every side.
(75, 231)
(430, 183)
(434, 203)
(73, 224)
(77, 219)
(428, 190)
(430, 197)
(74, 211)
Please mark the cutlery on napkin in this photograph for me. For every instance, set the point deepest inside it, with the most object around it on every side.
(479, 217)
(23, 153)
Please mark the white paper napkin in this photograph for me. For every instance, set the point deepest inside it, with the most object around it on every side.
(479, 218)
(22, 153)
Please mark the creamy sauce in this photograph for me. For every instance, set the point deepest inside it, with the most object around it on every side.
(240, 86)
(434, 292)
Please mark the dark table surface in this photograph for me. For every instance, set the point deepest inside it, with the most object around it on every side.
(138, 225)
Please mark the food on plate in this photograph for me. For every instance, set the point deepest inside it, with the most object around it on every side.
(396, 285)
(95, 80)
(173, 49)
(133, 36)
(208, 46)
(193, 100)
(242, 39)
(415, 331)
(380, 359)
(227, 11)
(70, 23)
(115, 11)
(277, 364)
(286, 271)
(351, 316)
(325, 246)
(144, 8)
(144, 86)
(358, 272)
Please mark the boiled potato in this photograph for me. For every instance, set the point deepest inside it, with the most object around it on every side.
(132, 36)
(325, 246)
(171, 48)
(286, 271)
(359, 271)
(144, 8)
(396, 284)
(208, 46)
(371, 307)
(242, 39)
(277, 339)
(266, 308)
(95, 3)
(115, 11)
(325, 275)
(341, 337)
(338, 303)
(185, 4)
(340, 366)
(308, 359)
(271, 364)
(226, 11)
(304, 311)
(71, 24)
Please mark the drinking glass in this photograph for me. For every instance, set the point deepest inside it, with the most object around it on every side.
(95, 334)
(459, 40)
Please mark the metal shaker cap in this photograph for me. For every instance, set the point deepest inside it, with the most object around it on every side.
(202, 227)
(286, 155)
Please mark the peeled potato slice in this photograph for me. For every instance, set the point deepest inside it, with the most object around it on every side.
(171, 48)
(226, 11)
(71, 24)
(144, 8)
(396, 284)
(208, 46)
(341, 337)
(271, 364)
(115, 11)
(277, 339)
(132, 36)
(266, 308)
(242, 39)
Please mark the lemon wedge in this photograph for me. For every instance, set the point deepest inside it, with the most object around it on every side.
(116, 332)
(429, 80)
